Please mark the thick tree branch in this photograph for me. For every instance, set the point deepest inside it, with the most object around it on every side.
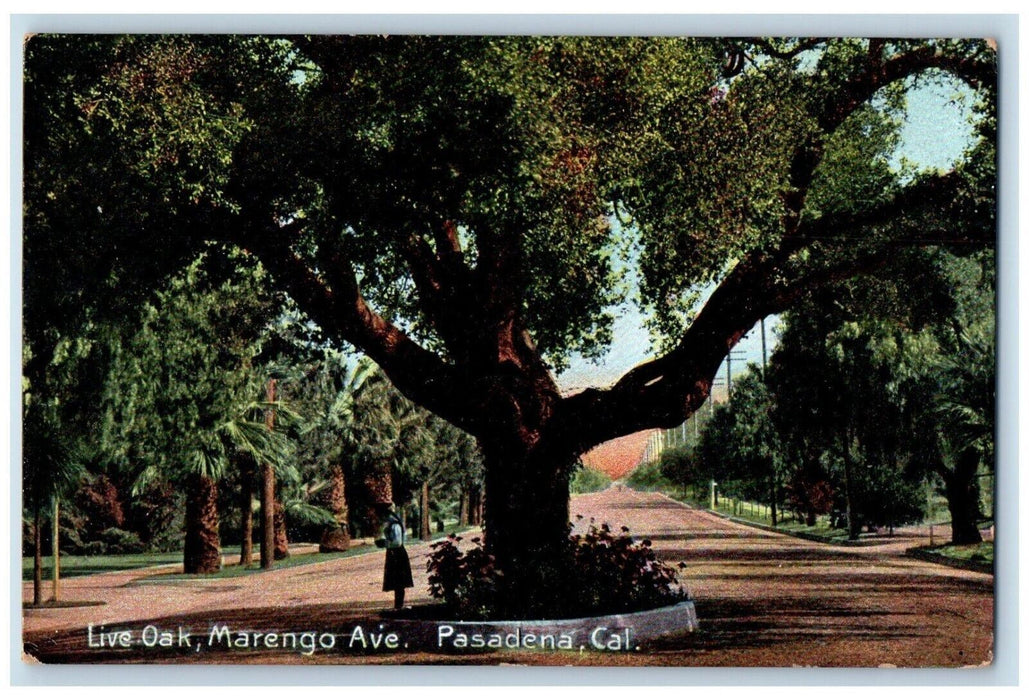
(334, 301)
(879, 73)
(858, 90)
(804, 45)
(664, 391)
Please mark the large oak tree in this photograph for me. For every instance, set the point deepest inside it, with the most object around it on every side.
(463, 209)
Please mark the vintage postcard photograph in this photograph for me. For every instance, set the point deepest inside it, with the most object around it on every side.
(550, 350)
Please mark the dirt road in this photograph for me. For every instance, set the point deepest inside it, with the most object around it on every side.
(762, 599)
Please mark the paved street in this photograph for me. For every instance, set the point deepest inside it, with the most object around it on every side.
(762, 599)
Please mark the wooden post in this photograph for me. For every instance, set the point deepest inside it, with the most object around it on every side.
(56, 553)
(268, 491)
(246, 544)
(37, 558)
(425, 532)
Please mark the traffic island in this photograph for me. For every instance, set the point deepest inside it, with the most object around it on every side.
(624, 632)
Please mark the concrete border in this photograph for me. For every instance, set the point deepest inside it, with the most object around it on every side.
(625, 632)
(933, 557)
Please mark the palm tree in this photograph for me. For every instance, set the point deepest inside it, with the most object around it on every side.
(49, 471)
(965, 415)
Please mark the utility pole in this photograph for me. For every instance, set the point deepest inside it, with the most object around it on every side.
(764, 349)
(728, 373)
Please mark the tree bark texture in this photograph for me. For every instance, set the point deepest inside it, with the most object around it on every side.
(202, 553)
(336, 538)
(963, 499)
(424, 524)
(376, 487)
(526, 528)
(281, 545)
(462, 510)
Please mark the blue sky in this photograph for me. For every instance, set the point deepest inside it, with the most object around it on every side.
(935, 133)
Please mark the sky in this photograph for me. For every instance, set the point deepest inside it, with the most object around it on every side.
(934, 135)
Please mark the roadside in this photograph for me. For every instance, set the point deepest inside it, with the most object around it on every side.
(926, 542)
(762, 599)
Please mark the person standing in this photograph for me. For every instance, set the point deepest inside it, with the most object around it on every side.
(396, 576)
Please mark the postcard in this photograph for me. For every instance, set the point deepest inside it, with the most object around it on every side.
(537, 350)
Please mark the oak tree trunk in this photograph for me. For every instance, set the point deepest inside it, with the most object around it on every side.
(202, 552)
(963, 499)
(526, 528)
(336, 538)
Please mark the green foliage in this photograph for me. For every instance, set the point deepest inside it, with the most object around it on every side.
(588, 480)
(568, 169)
(118, 541)
(682, 466)
(183, 390)
(649, 477)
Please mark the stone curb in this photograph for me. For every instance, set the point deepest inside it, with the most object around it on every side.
(626, 632)
(934, 558)
(799, 535)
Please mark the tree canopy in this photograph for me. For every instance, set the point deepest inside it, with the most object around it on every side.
(448, 205)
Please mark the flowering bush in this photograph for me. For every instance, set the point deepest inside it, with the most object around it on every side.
(603, 573)
(466, 582)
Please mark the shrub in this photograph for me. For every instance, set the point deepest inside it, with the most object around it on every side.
(94, 549)
(121, 541)
(587, 480)
(614, 574)
(466, 582)
(603, 573)
(649, 477)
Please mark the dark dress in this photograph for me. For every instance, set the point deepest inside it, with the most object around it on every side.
(397, 574)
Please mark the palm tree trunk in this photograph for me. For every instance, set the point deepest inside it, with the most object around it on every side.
(202, 553)
(462, 517)
(56, 550)
(378, 488)
(424, 526)
(336, 538)
(281, 541)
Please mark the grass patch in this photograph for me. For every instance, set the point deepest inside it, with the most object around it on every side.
(81, 565)
(232, 570)
(981, 553)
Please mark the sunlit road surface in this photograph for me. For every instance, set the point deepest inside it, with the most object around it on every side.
(762, 599)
